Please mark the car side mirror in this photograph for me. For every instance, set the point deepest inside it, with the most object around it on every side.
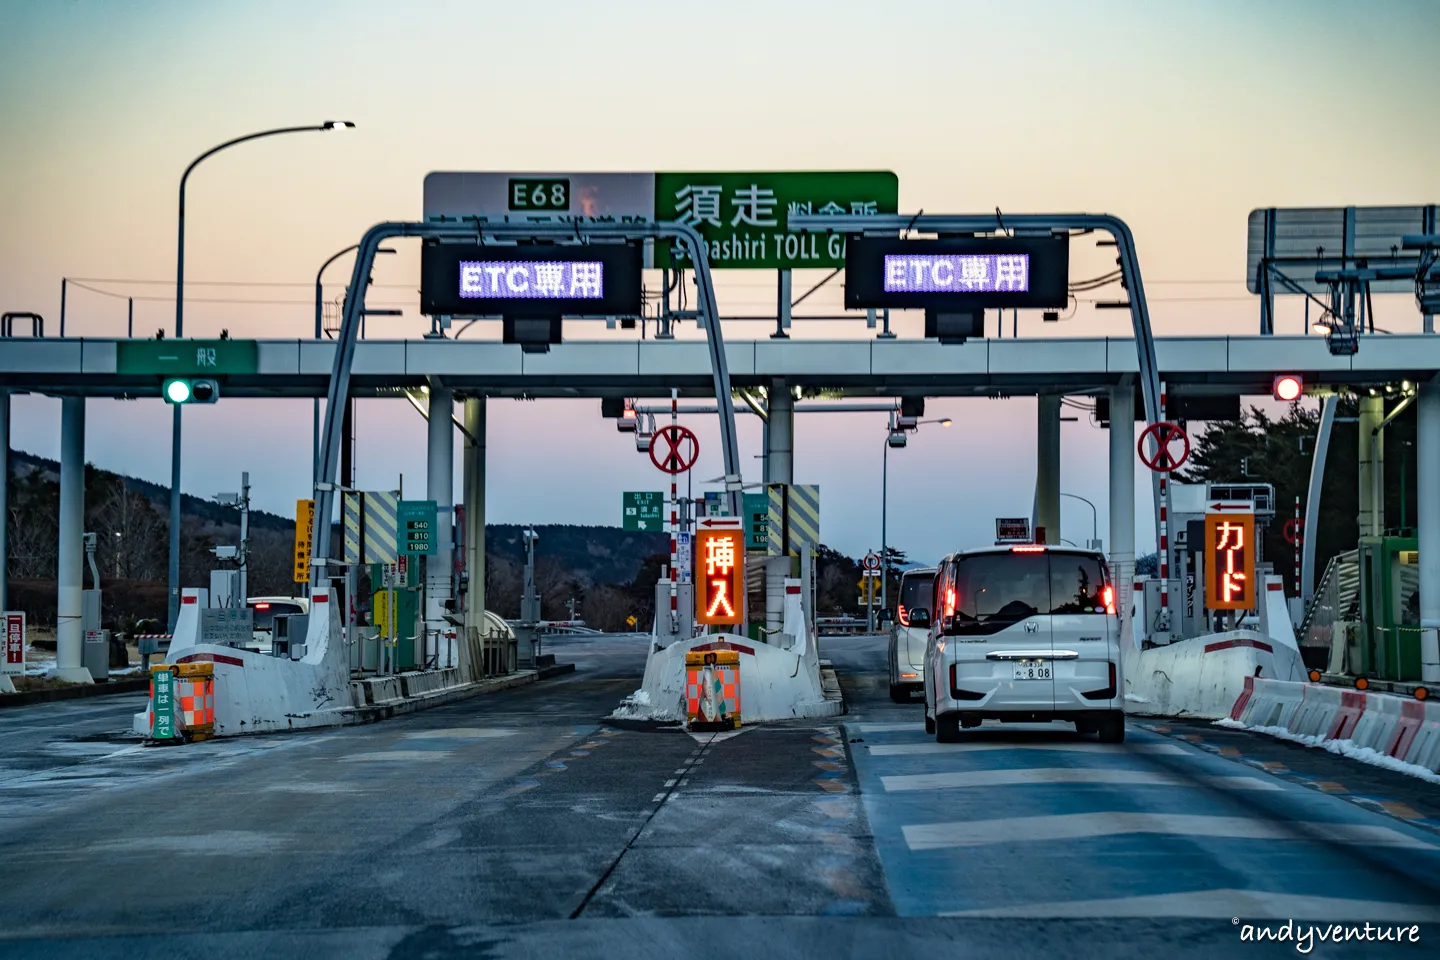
(919, 617)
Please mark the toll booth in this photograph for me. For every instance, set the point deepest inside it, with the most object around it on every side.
(1387, 647)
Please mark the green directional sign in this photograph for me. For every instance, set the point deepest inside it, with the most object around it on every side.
(744, 216)
(186, 357)
(643, 511)
(162, 705)
(418, 530)
(757, 521)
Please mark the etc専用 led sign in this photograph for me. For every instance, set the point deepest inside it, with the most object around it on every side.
(531, 280)
(968, 273)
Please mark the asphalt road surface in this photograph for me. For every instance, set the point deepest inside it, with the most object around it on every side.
(520, 824)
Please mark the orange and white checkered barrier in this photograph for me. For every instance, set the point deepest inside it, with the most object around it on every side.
(195, 693)
(712, 687)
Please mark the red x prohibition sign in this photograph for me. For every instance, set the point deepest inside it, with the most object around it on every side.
(681, 448)
(1164, 434)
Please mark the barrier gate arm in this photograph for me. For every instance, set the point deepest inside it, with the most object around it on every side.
(339, 389)
(976, 222)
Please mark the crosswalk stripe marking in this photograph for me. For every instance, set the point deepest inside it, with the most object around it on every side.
(1220, 904)
(1075, 826)
(1081, 746)
(1051, 775)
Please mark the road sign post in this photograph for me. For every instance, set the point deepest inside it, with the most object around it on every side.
(304, 532)
(162, 702)
(14, 659)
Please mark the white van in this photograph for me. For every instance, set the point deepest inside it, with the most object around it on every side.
(264, 610)
(1025, 634)
(910, 633)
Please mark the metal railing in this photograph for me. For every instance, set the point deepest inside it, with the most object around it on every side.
(1335, 600)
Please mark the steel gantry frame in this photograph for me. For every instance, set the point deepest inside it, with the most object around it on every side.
(898, 224)
(473, 230)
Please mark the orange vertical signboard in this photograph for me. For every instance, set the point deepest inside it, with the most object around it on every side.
(1230, 561)
(720, 576)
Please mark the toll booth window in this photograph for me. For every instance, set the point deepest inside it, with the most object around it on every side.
(1077, 584)
(995, 590)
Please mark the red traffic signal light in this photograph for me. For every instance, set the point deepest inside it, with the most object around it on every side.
(1288, 387)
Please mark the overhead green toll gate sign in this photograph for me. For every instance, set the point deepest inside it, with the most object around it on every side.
(744, 217)
(167, 358)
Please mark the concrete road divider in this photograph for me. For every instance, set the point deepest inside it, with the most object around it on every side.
(1403, 728)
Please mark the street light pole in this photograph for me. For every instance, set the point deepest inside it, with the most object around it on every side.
(319, 334)
(1094, 515)
(180, 333)
(885, 506)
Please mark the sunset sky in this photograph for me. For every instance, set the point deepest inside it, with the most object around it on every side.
(1180, 117)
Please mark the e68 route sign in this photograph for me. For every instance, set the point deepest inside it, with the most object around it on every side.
(743, 217)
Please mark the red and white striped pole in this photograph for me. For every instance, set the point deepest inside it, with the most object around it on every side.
(1164, 519)
(1299, 538)
(674, 514)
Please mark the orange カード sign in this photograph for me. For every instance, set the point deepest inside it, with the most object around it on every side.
(720, 576)
(1230, 561)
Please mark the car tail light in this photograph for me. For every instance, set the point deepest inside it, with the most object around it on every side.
(902, 615)
(949, 601)
(1106, 693)
(1108, 595)
(262, 606)
(1028, 549)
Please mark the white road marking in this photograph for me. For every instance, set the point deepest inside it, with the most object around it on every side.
(657, 798)
(1069, 746)
(1219, 904)
(463, 733)
(915, 726)
(1073, 826)
(380, 756)
(669, 784)
(1039, 775)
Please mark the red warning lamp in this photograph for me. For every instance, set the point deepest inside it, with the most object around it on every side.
(1288, 387)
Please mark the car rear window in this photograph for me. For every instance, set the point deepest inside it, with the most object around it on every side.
(917, 590)
(1077, 583)
(264, 612)
(994, 590)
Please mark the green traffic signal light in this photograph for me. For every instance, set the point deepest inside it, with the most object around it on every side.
(179, 391)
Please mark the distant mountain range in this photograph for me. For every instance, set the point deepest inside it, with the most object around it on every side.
(592, 554)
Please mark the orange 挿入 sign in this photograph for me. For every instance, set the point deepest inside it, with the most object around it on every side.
(720, 575)
(1230, 561)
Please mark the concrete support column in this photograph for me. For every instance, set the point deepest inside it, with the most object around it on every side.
(439, 486)
(1372, 510)
(69, 632)
(1428, 523)
(1122, 495)
(1047, 468)
(473, 464)
(779, 468)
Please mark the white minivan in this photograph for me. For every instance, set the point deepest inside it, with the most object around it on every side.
(910, 633)
(1026, 634)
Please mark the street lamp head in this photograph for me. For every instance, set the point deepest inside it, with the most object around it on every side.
(337, 125)
(946, 422)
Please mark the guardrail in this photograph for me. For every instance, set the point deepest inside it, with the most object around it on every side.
(841, 626)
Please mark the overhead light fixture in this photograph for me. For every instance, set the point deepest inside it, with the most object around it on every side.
(338, 125)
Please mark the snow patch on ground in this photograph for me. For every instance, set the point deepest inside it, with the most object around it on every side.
(637, 706)
(1344, 748)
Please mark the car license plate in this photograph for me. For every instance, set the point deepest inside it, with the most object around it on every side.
(1032, 670)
